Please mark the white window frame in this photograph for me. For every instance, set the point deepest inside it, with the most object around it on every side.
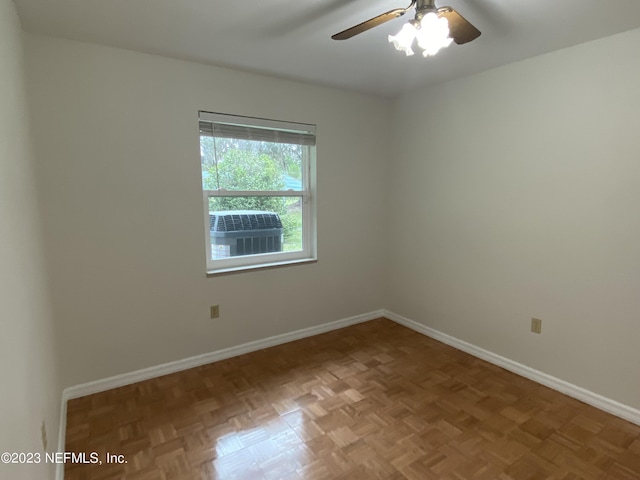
(307, 194)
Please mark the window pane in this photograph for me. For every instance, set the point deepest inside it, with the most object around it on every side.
(233, 164)
(254, 225)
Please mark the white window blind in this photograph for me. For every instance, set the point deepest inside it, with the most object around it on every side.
(261, 130)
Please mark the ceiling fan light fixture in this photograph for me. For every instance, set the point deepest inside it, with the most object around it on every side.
(433, 34)
(428, 15)
(404, 38)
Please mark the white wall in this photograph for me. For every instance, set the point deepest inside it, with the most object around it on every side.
(117, 144)
(516, 192)
(30, 392)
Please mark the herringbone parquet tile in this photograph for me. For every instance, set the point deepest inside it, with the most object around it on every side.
(374, 401)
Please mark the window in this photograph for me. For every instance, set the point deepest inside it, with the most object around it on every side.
(257, 191)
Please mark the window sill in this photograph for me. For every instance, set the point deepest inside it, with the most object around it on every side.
(260, 266)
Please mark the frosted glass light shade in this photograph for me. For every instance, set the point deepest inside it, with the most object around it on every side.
(404, 39)
(433, 34)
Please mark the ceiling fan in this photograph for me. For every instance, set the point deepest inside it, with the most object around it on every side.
(433, 27)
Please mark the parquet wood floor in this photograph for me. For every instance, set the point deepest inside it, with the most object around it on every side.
(373, 401)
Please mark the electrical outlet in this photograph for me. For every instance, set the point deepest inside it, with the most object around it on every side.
(536, 325)
(43, 431)
(215, 311)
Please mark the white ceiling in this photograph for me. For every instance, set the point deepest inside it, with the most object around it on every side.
(292, 38)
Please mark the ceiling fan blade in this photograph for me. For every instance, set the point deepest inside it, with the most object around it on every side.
(372, 22)
(459, 27)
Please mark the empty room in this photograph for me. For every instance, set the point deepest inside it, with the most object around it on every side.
(319, 240)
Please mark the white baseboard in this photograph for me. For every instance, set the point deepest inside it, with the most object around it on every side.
(603, 403)
(191, 362)
(62, 429)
